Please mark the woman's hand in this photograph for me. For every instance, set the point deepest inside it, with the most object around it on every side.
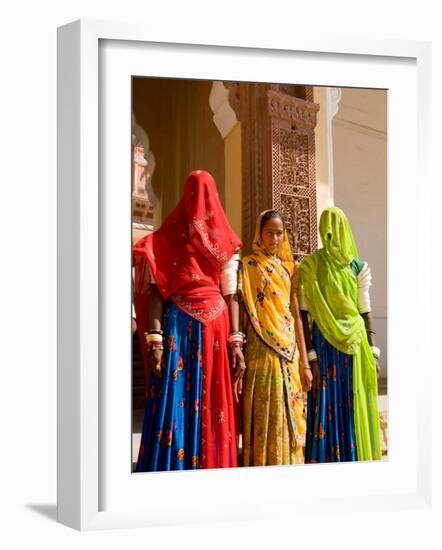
(237, 356)
(306, 379)
(238, 382)
(239, 366)
(156, 359)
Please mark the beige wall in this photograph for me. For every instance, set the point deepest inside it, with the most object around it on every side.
(233, 168)
(360, 188)
(323, 151)
(178, 121)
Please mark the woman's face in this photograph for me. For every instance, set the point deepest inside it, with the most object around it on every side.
(272, 235)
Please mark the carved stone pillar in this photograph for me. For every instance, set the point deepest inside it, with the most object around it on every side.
(293, 122)
(278, 158)
(249, 101)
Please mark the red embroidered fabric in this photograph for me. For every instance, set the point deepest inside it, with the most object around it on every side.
(219, 434)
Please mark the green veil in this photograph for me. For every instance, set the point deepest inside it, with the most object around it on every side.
(331, 291)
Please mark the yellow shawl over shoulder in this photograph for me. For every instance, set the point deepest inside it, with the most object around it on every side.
(265, 283)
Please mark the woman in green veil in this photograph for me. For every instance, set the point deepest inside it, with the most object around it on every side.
(342, 412)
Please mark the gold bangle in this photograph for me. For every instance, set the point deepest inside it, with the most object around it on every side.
(306, 367)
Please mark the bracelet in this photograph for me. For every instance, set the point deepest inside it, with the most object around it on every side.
(306, 367)
(153, 338)
(236, 336)
(153, 347)
(376, 352)
(237, 333)
(312, 355)
(154, 331)
(370, 330)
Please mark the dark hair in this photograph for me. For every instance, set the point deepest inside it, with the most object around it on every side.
(269, 215)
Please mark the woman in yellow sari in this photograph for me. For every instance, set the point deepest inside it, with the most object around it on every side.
(273, 406)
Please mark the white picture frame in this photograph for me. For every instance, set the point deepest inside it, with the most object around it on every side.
(95, 488)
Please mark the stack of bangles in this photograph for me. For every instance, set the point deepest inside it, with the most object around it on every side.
(237, 339)
(154, 339)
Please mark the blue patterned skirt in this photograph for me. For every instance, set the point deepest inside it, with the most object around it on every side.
(171, 437)
(330, 413)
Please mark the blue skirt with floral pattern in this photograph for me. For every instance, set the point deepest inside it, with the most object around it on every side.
(171, 437)
(330, 413)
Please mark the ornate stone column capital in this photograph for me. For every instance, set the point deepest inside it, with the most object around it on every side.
(294, 110)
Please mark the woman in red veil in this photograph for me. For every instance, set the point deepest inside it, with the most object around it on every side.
(182, 271)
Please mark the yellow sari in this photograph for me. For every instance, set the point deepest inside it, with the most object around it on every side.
(273, 406)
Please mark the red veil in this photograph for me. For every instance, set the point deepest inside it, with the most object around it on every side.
(185, 256)
(186, 253)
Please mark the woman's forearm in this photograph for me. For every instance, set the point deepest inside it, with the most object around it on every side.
(368, 321)
(300, 336)
(232, 301)
(155, 308)
(306, 329)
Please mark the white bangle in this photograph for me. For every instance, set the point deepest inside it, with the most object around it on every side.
(376, 352)
(236, 337)
(311, 355)
(153, 338)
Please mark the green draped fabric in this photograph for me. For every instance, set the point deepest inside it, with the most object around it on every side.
(330, 289)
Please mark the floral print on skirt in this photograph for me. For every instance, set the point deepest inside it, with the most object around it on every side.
(330, 413)
(171, 437)
(273, 407)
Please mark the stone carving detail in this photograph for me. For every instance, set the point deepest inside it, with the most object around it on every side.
(284, 88)
(293, 162)
(140, 171)
(143, 166)
(292, 109)
(294, 171)
(309, 94)
(141, 206)
(296, 214)
(278, 158)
